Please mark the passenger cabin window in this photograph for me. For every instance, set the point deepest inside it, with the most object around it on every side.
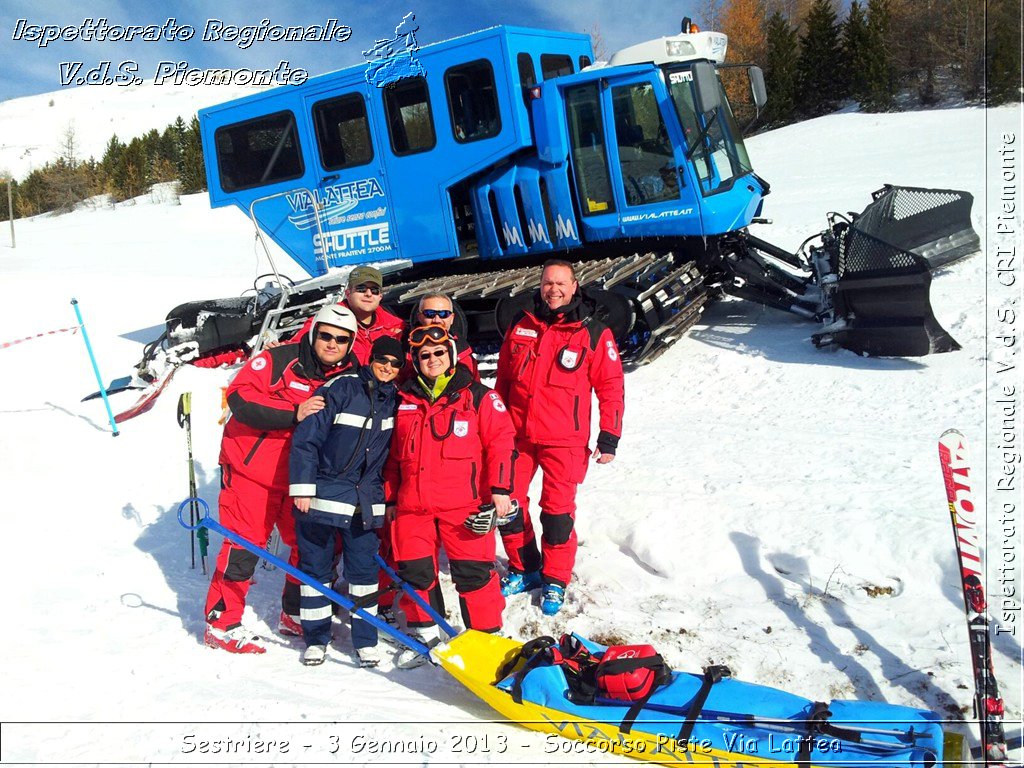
(343, 132)
(584, 62)
(646, 158)
(258, 152)
(586, 139)
(472, 101)
(527, 75)
(555, 65)
(410, 122)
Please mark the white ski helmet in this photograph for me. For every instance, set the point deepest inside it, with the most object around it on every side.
(336, 315)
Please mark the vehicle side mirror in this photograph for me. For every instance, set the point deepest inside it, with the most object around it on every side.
(708, 90)
(757, 89)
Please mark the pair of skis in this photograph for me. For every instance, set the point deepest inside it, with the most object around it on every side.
(955, 464)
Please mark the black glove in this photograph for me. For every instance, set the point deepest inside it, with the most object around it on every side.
(484, 521)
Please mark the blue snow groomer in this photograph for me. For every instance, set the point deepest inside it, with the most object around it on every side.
(463, 165)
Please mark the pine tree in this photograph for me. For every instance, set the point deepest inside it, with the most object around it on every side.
(29, 197)
(1002, 62)
(192, 172)
(856, 53)
(134, 169)
(780, 71)
(820, 61)
(880, 92)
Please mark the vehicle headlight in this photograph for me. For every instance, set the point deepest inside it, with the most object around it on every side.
(679, 48)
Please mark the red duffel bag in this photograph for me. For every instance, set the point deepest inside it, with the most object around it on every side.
(630, 672)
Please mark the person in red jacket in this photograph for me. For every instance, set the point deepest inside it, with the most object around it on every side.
(362, 298)
(551, 361)
(268, 397)
(451, 452)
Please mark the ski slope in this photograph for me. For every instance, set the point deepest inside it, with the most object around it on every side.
(772, 507)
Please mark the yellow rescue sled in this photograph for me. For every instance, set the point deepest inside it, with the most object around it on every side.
(878, 734)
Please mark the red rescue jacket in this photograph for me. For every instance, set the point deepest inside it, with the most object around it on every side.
(264, 398)
(451, 455)
(547, 370)
(383, 324)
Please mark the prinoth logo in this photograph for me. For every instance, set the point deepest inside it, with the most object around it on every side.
(511, 234)
(564, 229)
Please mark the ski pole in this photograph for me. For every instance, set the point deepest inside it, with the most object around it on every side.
(95, 367)
(382, 626)
(185, 421)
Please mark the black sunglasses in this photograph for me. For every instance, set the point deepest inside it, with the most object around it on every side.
(430, 314)
(326, 337)
(363, 288)
(387, 360)
(435, 353)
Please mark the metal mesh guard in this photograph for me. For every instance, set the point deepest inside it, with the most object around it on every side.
(864, 253)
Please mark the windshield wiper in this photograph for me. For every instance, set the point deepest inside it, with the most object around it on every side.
(703, 135)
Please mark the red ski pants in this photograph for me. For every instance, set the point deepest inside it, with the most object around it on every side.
(251, 510)
(416, 535)
(564, 468)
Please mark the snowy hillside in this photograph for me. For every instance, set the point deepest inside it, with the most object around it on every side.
(772, 507)
(32, 128)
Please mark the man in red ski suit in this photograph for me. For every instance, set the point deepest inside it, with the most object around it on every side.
(451, 452)
(268, 397)
(551, 361)
(362, 298)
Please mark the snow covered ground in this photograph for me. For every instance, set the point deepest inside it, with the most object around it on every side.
(772, 507)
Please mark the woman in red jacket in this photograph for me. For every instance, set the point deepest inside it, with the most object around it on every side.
(452, 451)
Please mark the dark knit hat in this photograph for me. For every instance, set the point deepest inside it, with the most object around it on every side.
(386, 345)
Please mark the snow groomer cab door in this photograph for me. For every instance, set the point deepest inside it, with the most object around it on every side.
(351, 197)
(629, 159)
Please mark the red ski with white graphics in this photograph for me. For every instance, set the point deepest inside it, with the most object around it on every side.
(988, 705)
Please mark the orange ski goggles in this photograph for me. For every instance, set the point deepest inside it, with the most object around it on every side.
(428, 334)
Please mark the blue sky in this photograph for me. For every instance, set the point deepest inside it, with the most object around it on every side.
(29, 68)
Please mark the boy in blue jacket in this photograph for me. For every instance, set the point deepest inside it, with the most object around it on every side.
(335, 473)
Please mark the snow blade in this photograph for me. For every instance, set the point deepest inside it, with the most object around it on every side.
(935, 224)
(883, 260)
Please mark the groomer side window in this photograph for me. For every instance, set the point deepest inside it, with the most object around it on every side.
(343, 132)
(410, 122)
(472, 101)
(555, 65)
(258, 152)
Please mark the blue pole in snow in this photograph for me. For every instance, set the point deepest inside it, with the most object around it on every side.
(382, 626)
(95, 367)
